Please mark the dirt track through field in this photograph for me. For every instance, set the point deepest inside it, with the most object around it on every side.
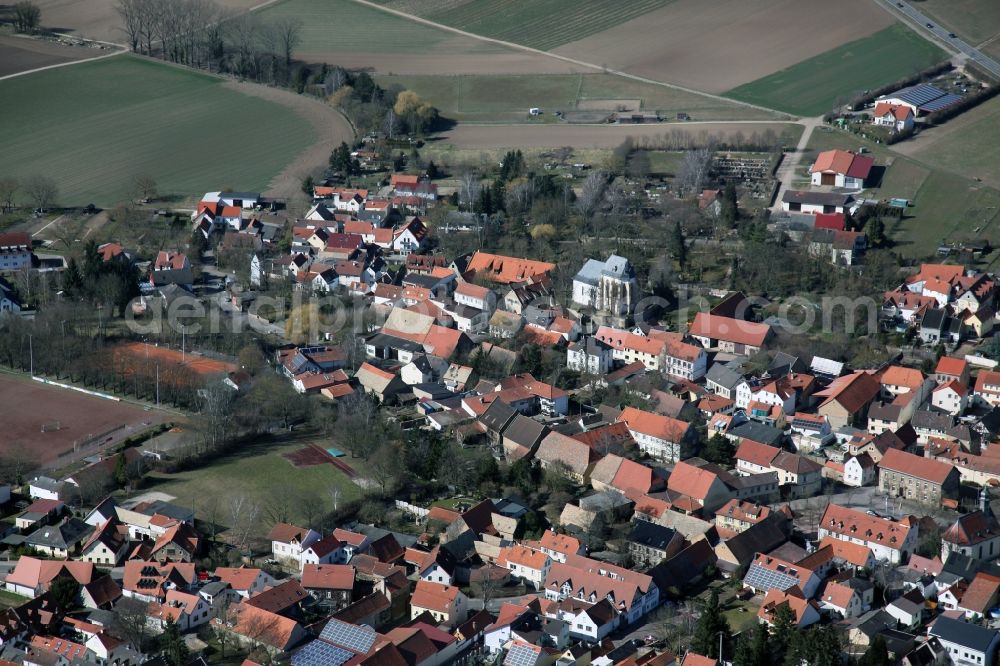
(718, 45)
(330, 125)
(589, 136)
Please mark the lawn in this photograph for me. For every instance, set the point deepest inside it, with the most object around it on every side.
(261, 474)
(968, 144)
(507, 98)
(812, 87)
(93, 126)
(540, 24)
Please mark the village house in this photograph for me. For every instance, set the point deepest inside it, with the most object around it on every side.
(735, 336)
(447, 604)
(330, 584)
(847, 398)
(840, 168)
(965, 644)
(531, 566)
(650, 543)
(170, 268)
(739, 515)
(15, 251)
(809, 202)
(895, 116)
(660, 436)
(906, 475)
(889, 540)
(589, 355)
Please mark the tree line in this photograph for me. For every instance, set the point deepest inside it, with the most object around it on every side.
(204, 34)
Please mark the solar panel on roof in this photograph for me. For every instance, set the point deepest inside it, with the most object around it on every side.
(521, 655)
(350, 636)
(762, 578)
(919, 94)
(942, 102)
(319, 653)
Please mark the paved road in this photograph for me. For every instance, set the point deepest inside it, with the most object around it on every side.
(790, 162)
(942, 35)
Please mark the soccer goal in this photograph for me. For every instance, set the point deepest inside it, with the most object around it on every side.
(51, 426)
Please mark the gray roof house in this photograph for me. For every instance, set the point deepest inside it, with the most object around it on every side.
(966, 644)
(59, 539)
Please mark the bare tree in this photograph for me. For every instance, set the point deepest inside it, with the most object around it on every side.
(42, 190)
(591, 193)
(470, 185)
(8, 193)
(130, 12)
(243, 32)
(288, 31)
(144, 187)
(694, 169)
(27, 16)
(131, 622)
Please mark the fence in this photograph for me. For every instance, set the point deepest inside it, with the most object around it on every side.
(76, 388)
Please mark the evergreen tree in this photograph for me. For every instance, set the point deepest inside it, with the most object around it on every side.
(92, 262)
(719, 450)
(678, 246)
(877, 653)
(752, 648)
(782, 632)
(433, 172)
(876, 232)
(72, 280)
(175, 650)
(730, 212)
(710, 625)
(121, 470)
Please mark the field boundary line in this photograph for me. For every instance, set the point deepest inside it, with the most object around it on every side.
(97, 394)
(572, 61)
(61, 64)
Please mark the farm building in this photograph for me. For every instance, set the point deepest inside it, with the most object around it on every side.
(841, 168)
(897, 116)
(799, 201)
(921, 99)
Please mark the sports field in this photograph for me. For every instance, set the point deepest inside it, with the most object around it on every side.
(353, 35)
(540, 24)
(813, 86)
(261, 473)
(28, 405)
(507, 98)
(102, 122)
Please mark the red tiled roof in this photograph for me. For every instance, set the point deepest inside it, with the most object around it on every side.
(833, 221)
(853, 553)
(756, 453)
(841, 161)
(859, 525)
(655, 425)
(692, 481)
(737, 331)
(919, 467)
(852, 392)
(620, 340)
(285, 533)
(505, 270)
(433, 596)
(898, 111)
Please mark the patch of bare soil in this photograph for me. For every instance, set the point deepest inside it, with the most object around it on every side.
(20, 54)
(717, 45)
(331, 126)
(97, 19)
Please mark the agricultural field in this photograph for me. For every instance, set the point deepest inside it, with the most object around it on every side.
(967, 145)
(383, 42)
(720, 45)
(974, 20)
(945, 206)
(540, 24)
(128, 115)
(78, 419)
(20, 54)
(97, 19)
(507, 98)
(263, 474)
(812, 87)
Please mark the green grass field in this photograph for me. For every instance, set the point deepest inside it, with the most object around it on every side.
(540, 24)
(974, 20)
(334, 26)
(262, 475)
(813, 86)
(93, 126)
(968, 145)
(507, 98)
